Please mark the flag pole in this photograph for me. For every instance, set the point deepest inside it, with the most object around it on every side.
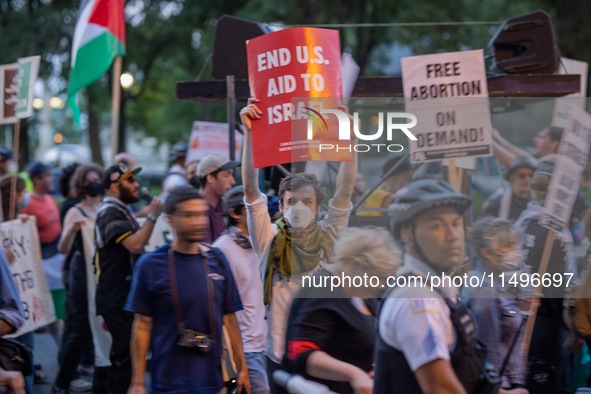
(116, 105)
(15, 147)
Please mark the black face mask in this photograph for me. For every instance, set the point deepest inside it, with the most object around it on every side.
(194, 181)
(93, 189)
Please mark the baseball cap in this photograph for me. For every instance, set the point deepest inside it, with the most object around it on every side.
(212, 163)
(5, 153)
(117, 172)
(37, 168)
(235, 197)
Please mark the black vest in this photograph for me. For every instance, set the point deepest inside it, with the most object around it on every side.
(393, 374)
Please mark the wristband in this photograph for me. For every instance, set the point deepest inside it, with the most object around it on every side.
(151, 218)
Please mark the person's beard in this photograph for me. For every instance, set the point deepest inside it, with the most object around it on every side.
(126, 195)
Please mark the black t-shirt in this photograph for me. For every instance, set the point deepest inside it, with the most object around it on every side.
(114, 263)
(492, 206)
(336, 326)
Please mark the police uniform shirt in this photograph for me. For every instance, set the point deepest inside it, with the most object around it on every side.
(417, 321)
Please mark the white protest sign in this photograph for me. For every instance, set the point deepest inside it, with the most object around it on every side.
(28, 72)
(448, 94)
(573, 152)
(101, 338)
(208, 138)
(350, 70)
(161, 235)
(9, 92)
(575, 67)
(27, 270)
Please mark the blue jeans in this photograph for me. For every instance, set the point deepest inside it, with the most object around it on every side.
(257, 372)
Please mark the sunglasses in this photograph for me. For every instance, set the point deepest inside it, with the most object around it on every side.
(129, 180)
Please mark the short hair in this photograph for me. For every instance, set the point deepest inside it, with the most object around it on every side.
(369, 246)
(63, 182)
(492, 233)
(5, 186)
(203, 181)
(555, 133)
(77, 181)
(178, 195)
(541, 181)
(238, 211)
(298, 180)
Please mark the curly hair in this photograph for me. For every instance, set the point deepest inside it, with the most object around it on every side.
(299, 180)
(77, 181)
(63, 181)
(492, 233)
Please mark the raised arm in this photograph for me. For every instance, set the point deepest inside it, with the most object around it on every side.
(347, 175)
(507, 149)
(250, 177)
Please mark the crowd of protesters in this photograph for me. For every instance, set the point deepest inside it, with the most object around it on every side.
(224, 305)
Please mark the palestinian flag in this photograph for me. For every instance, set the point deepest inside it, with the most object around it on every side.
(99, 37)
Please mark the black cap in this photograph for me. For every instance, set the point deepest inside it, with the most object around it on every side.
(235, 197)
(394, 158)
(5, 153)
(117, 172)
(37, 168)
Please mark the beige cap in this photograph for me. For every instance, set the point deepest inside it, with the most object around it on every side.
(212, 163)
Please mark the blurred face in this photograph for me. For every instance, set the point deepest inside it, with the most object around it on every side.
(191, 171)
(360, 183)
(190, 220)
(305, 194)
(4, 166)
(543, 144)
(495, 254)
(45, 182)
(128, 190)
(222, 182)
(241, 218)
(92, 177)
(521, 182)
(439, 233)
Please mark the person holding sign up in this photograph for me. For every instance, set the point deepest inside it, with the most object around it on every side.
(296, 244)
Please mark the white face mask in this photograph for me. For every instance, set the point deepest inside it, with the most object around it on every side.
(510, 261)
(298, 216)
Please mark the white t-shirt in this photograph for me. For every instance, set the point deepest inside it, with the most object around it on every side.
(251, 319)
(417, 321)
(175, 178)
(262, 232)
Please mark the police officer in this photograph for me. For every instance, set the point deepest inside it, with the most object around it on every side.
(5, 157)
(427, 339)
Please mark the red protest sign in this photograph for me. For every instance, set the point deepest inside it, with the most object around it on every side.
(292, 72)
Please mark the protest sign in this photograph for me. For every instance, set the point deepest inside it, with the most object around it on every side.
(448, 94)
(27, 270)
(573, 152)
(161, 235)
(28, 71)
(101, 338)
(9, 92)
(288, 72)
(208, 138)
(575, 67)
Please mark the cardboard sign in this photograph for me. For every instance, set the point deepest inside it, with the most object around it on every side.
(448, 94)
(101, 338)
(298, 64)
(573, 153)
(161, 235)
(208, 138)
(569, 66)
(27, 270)
(28, 72)
(9, 92)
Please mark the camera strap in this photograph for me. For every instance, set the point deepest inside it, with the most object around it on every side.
(175, 295)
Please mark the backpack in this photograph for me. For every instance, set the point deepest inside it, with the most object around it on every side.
(577, 305)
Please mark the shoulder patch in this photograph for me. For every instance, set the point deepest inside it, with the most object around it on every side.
(424, 305)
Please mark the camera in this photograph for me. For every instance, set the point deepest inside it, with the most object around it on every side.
(195, 340)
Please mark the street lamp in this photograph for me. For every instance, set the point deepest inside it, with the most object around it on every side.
(56, 102)
(37, 103)
(126, 81)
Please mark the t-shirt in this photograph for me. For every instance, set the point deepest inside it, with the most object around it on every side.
(177, 369)
(417, 321)
(262, 233)
(244, 264)
(216, 222)
(336, 326)
(113, 262)
(47, 215)
(492, 206)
